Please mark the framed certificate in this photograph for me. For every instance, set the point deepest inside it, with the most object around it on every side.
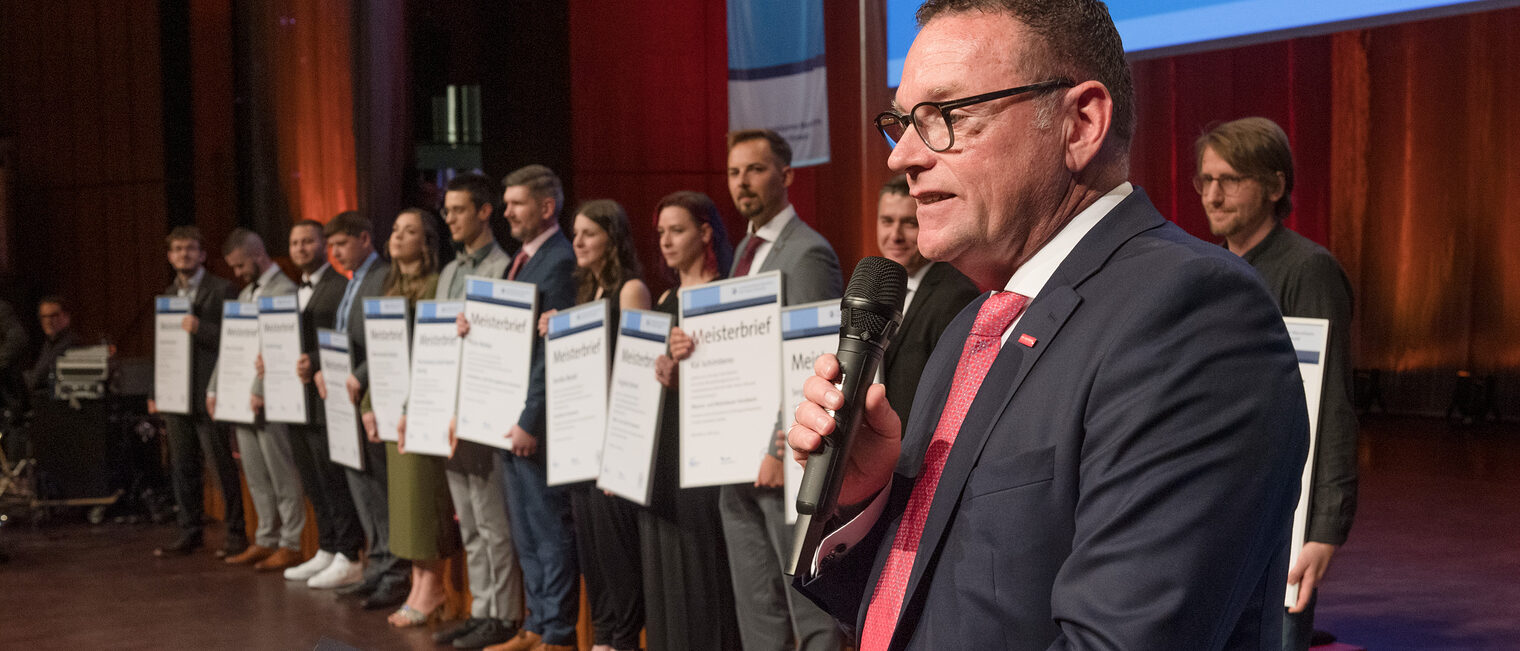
(435, 377)
(496, 359)
(280, 344)
(1310, 340)
(343, 437)
(387, 351)
(575, 371)
(634, 404)
(236, 368)
(171, 355)
(731, 384)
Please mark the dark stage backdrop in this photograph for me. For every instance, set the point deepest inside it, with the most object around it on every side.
(1403, 137)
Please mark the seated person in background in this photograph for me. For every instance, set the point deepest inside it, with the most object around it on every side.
(58, 336)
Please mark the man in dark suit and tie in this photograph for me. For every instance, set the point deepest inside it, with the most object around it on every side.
(936, 293)
(338, 532)
(1103, 452)
(754, 522)
(193, 437)
(540, 514)
(387, 578)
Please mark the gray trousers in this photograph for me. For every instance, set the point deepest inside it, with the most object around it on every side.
(770, 611)
(496, 580)
(274, 483)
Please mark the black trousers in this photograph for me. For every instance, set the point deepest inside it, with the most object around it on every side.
(192, 440)
(607, 541)
(338, 529)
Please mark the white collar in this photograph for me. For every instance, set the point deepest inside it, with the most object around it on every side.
(1030, 278)
(917, 278)
(268, 273)
(771, 231)
(314, 276)
(532, 246)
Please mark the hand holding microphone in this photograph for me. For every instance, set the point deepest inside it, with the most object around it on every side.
(843, 406)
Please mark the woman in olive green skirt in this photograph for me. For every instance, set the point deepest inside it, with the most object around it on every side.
(421, 512)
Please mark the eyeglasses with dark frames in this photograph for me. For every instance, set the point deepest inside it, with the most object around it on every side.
(932, 120)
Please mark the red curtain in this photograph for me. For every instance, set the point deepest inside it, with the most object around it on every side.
(312, 94)
(1403, 139)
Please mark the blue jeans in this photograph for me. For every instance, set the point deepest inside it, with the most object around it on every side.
(545, 539)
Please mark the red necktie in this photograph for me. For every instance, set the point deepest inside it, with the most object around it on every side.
(747, 258)
(517, 262)
(981, 348)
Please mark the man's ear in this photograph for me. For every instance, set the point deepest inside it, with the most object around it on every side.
(1087, 111)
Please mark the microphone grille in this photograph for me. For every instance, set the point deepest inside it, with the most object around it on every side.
(880, 281)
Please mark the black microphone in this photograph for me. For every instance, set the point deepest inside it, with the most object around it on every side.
(869, 315)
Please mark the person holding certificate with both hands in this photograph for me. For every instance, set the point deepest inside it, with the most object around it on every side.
(421, 510)
(606, 527)
(688, 596)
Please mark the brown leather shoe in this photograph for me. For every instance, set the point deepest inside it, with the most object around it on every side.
(279, 560)
(253, 554)
(524, 641)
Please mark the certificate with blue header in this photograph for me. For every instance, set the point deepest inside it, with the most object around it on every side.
(496, 359)
(237, 359)
(575, 378)
(634, 404)
(731, 384)
(435, 377)
(387, 351)
(343, 436)
(1310, 340)
(807, 331)
(280, 344)
(171, 355)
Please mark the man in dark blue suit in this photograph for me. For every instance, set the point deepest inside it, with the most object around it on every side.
(1102, 452)
(540, 514)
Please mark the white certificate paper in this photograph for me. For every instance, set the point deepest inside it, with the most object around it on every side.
(1310, 339)
(634, 406)
(236, 362)
(575, 368)
(435, 377)
(171, 355)
(731, 384)
(496, 358)
(807, 331)
(387, 350)
(343, 444)
(280, 343)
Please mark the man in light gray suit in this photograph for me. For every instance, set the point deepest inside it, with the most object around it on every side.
(268, 462)
(474, 471)
(386, 578)
(754, 521)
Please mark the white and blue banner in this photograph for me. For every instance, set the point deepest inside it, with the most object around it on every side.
(776, 74)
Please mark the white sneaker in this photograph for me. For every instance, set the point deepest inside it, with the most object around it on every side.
(340, 573)
(310, 568)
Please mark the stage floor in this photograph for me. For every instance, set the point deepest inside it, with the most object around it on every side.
(1433, 563)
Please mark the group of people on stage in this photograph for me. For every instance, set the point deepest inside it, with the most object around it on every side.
(699, 568)
(1058, 508)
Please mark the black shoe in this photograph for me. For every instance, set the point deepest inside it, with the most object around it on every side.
(490, 631)
(388, 595)
(463, 629)
(360, 590)
(181, 547)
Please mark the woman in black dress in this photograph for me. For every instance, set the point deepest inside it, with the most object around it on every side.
(606, 527)
(688, 598)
